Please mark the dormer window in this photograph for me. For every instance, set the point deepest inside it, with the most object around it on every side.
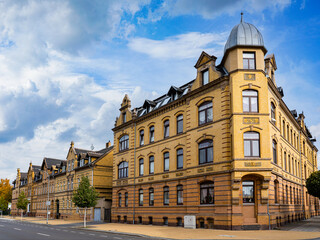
(205, 77)
(249, 60)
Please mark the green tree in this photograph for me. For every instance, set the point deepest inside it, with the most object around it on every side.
(313, 184)
(3, 204)
(22, 202)
(85, 196)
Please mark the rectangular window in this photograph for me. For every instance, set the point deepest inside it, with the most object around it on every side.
(166, 161)
(151, 165)
(248, 60)
(141, 167)
(119, 199)
(248, 191)
(151, 131)
(151, 197)
(166, 195)
(250, 101)
(140, 197)
(251, 144)
(205, 77)
(285, 161)
(180, 124)
(179, 158)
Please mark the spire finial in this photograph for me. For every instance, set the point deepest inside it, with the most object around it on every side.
(241, 17)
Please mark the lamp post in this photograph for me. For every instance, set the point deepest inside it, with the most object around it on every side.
(47, 203)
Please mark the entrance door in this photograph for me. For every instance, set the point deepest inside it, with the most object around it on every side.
(248, 200)
(107, 215)
(97, 214)
(58, 214)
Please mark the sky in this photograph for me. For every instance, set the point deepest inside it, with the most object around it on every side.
(65, 65)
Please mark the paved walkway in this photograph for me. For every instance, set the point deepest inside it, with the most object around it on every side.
(309, 225)
(308, 229)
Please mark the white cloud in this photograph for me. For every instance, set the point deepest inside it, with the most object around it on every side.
(212, 8)
(182, 46)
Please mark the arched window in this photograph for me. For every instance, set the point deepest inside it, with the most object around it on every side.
(274, 150)
(251, 144)
(119, 199)
(166, 128)
(207, 193)
(151, 134)
(179, 158)
(250, 100)
(126, 199)
(205, 113)
(151, 196)
(124, 143)
(179, 194)
(123, 170)
(141, 137)
(141, 167)
(273, 113)
(206, 151)
(180, 124)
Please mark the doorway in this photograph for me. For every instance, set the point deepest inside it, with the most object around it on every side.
(249, 201)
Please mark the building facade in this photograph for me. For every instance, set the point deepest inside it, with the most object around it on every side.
(54, 182)
(224, 147)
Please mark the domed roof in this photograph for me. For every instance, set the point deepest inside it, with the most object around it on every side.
(244, 34)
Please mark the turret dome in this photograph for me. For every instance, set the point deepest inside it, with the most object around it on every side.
(244, 34)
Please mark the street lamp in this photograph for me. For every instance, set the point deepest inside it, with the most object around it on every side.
(48, 201)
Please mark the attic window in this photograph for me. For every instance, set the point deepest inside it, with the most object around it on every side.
(124, 117)
(205, 77)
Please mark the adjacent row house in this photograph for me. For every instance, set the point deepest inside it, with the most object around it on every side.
(51, 185)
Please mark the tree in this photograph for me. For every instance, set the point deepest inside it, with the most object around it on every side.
(85, 196)
(5, 193)
(313, 184)
(22, 202)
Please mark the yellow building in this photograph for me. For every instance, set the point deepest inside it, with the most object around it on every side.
(223, 148)
(55, 181)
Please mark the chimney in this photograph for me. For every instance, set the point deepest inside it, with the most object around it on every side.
(108, 144)
(72, 144)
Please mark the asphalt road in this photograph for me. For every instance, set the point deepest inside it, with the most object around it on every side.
(16, 230)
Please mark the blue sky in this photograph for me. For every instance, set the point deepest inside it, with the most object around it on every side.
(65, 65)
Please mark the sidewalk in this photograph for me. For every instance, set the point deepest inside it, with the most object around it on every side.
(182, 233)
(296, 231)
(42, 220)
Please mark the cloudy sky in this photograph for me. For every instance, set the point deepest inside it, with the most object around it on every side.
(65, 65)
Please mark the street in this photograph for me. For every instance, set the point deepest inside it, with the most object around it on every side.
(16, 230)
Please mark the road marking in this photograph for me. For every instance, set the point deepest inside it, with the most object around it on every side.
(42, 234)
(104, 236)
(1, 226)
(17, 229)
(81, 232)
(117, 238)
(73, 231)
(65, 230)
(92, 234)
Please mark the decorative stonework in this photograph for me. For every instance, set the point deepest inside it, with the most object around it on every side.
(252, 164)
(251, 120)
(249, 76)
